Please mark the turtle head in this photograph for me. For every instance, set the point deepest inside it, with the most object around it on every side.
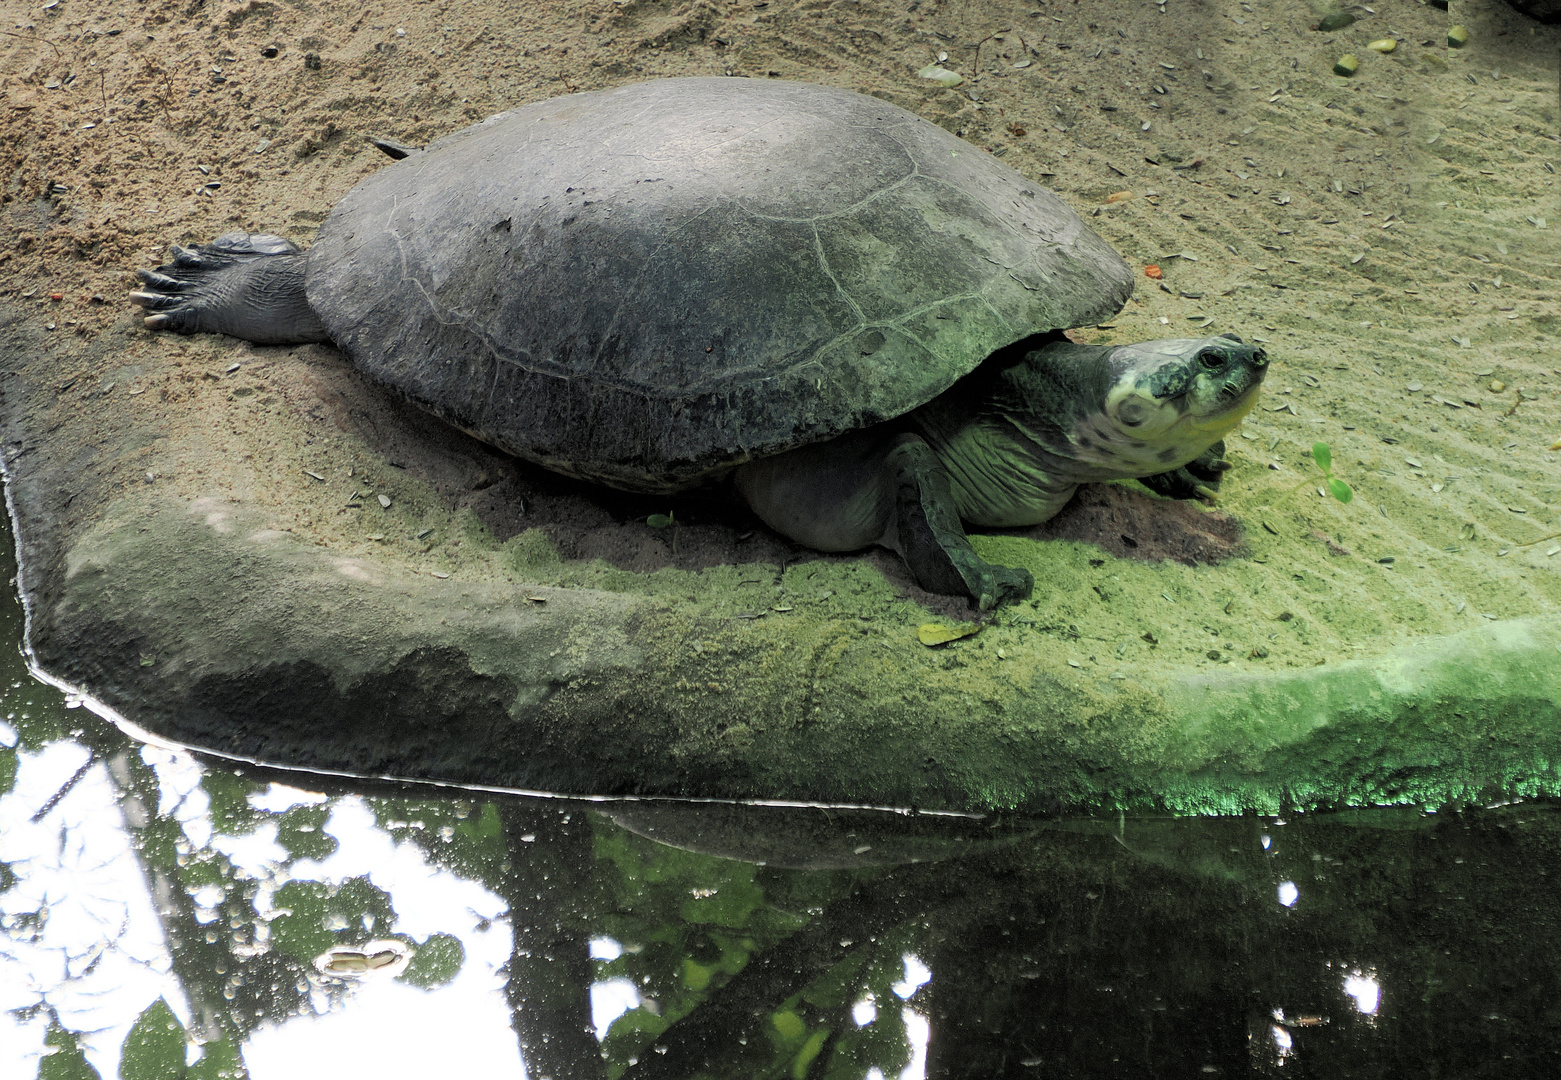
(1183, 394)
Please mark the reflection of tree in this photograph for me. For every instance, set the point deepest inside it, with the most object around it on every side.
(550, 889)
(197, 963)
(730, 1034)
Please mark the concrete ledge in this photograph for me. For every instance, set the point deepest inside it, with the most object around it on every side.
(196, 622)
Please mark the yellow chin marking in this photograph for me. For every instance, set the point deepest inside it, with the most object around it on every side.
(1222, 424)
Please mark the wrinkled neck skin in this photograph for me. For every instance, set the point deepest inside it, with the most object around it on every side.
(1036, 420)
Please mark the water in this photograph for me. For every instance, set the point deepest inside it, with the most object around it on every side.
(160, 917)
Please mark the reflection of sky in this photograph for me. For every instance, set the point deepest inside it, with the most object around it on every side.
(387, 1028)
(1366, 991)
(99, 959)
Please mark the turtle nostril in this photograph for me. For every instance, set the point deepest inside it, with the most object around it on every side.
(1259, 358)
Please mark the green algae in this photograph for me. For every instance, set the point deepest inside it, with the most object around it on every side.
(827, 696)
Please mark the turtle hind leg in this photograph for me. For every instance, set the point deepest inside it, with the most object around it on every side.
(248, 286)
(932, 541)
(1199, 478)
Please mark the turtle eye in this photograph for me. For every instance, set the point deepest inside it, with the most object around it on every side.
(1211, 360)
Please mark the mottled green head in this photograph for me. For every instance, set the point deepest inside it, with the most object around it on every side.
(1168, 401)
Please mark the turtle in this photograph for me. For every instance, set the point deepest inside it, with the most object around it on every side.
(850, 315)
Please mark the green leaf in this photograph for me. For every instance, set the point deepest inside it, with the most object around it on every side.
(302, 832)
(731, 904)
(1340, 489)
(67, 1062)
(219, 1061)
(789, 1024)
(323, 916)
(809, 1051)
(1323, 456)
(695, 975)
(230, 812)
(154, 1049)
(436, 962)
(659, 521)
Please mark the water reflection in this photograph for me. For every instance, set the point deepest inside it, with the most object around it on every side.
(160, 917)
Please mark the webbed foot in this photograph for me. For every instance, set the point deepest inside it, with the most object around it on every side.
(1198, 479)
(249, 286)
(932, 540)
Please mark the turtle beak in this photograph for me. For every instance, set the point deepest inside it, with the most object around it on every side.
(1243, 371)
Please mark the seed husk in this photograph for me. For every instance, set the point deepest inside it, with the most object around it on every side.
(940, 75)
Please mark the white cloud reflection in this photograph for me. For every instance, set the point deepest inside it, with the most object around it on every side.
(1366, 991)
(81, 934)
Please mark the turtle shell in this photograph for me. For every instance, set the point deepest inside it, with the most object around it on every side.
(644, 286)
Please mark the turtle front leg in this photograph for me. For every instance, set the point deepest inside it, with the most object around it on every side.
(931, 539)
(1198, 479)
(249, 286)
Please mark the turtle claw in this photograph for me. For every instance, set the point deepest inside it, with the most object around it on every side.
(1198, 479)
(163, 283)
(1000, 585)
(250, 286)
(156, 301)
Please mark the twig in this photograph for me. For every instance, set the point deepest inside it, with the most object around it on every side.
(1541, 540)
(157, 69)
(34, 37)
(983, 41)
(65, 789)
(103, 92)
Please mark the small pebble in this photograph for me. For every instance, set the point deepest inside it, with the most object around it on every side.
(1346, 65)
(384, 500)
(1497, 386)
(1457, 37)
(1383, 45)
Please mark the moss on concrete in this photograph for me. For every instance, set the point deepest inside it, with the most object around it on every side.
(197, 622)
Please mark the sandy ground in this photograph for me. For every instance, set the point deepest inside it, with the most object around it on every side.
(1389, 237)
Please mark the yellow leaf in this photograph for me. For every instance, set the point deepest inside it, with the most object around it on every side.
(932, 633)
